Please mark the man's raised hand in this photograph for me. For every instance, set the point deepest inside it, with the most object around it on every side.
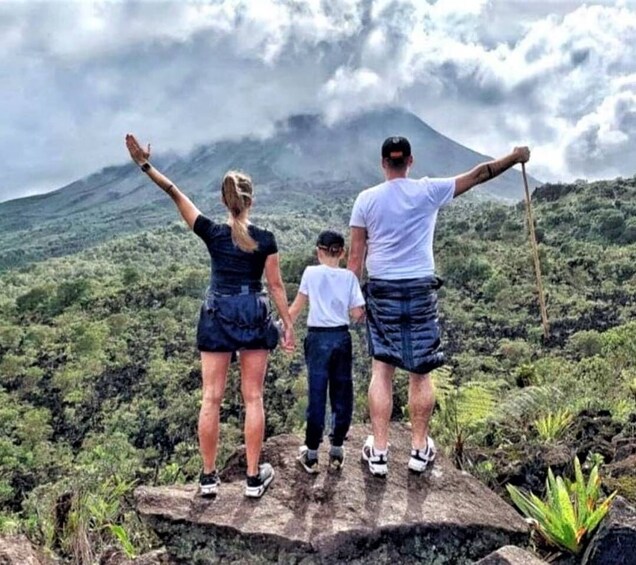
(137, 153)
(522, 154)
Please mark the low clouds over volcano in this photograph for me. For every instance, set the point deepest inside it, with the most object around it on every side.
(75, 77)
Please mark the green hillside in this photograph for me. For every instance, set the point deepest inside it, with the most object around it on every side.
(100, 381)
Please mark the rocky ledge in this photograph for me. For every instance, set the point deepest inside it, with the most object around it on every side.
(443, 516)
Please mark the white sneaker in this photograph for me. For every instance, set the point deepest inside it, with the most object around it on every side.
(310, 465)
(256, 486)
(378, 464)
(422, 458)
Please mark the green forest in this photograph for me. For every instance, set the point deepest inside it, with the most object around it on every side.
(100, 377)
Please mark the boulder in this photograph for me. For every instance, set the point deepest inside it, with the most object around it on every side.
(615, 541)
(17, 550)
(444, 516)
(511, 555)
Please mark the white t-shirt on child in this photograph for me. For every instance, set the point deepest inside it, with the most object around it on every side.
(332, 292)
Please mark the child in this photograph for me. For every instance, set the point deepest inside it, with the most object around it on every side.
(333, 293)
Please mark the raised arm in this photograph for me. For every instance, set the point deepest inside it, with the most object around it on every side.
(357, 250)
(140, 156)
(279, 296)
(486, 171)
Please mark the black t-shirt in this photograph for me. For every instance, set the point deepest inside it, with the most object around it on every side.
(232, 267)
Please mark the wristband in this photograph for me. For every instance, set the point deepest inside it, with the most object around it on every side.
(146, 167)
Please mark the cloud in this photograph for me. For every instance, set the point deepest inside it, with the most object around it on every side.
(76, 76)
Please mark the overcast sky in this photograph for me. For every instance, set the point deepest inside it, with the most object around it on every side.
(558, 75)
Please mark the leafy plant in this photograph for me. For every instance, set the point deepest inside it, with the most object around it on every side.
(552, 426)
(124, 539)
(571, 510)
(462, 407)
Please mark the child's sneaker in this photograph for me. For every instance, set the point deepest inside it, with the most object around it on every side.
(422, 458)
(378, 464)
(336, 457)
(256, 486)
(309, 464)
(209, 483)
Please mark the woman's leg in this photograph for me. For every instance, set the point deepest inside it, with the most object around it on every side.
(214, 368)
(253, 368)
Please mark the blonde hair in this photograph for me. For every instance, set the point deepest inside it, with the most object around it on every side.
(237, 196)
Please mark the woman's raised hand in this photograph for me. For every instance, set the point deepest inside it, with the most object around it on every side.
(137, 153)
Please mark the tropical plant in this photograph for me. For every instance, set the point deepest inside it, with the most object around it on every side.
(551, 426)
(571, 510)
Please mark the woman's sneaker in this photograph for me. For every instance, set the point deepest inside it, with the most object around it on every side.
(378, 464)
(256, 486)
(336, 457)
(209, 483)
(309, 464)
(422, 458)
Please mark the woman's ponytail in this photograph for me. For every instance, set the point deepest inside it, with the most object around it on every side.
(237, 196)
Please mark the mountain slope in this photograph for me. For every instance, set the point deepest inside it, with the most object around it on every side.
(305, 163)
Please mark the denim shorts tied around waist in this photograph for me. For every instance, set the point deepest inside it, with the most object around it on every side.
(235, 319)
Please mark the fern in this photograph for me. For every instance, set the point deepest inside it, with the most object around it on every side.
(522, 405)
(466, 404)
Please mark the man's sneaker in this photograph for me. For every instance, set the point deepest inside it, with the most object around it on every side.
(310, 465)
(256, 486)
(209, 483)
(377, 463)
(422, 458)
(336, 457)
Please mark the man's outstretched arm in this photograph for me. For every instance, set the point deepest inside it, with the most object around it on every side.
(486, 171)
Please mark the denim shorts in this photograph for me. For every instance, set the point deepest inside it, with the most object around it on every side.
(229, 323)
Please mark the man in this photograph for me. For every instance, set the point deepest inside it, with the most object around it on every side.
(393, 223)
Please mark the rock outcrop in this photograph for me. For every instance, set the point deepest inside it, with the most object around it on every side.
(615, 541)
(511, 555)
(444, 516)
(17, 550)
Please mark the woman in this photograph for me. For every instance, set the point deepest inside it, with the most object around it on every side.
(234, 317)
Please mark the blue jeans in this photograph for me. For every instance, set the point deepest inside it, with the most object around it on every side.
(329, 366)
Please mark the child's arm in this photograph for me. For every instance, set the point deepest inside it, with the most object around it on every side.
(297, 306)
(357, 314)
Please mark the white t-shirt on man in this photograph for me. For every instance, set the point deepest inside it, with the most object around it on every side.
(399, 216)
(332, 292)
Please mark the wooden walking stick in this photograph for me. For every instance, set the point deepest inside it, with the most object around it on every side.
(535, 254)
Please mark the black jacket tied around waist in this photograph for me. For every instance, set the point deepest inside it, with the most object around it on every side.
(403, 324)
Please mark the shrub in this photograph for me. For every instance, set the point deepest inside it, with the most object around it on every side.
(571, 510)
(551, 426)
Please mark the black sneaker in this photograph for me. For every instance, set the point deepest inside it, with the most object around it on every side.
(256, 486)
(336, 457)
(310, 465)
(209, 483)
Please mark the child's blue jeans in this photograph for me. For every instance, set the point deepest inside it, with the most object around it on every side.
(329, 366)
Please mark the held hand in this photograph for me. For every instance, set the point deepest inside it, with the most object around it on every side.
(137, 153)
(522, 154)
(289, 340)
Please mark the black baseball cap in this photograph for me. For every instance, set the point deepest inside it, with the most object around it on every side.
(330, 240)
(396, 149)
